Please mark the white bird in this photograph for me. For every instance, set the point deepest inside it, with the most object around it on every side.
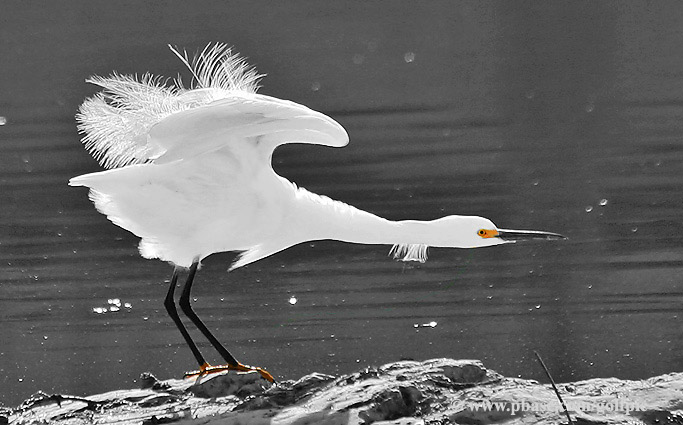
(190, 174)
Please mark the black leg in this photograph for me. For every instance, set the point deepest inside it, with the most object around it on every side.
(173, 312)
(184, 304)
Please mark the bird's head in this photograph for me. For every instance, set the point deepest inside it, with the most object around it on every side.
(472, 232)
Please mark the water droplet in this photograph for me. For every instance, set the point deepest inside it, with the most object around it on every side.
(589, 208)
(538, 306)
(145, 318)
(432, 324)
(3, 120)
(114, 301)
(99, 310)
(315, 86)
(634, 229)
(44, 336)
(128, 305)
(590, 107)
(530, 94)
(20, 379)
(409, 57)
(603, 202)
(114, 308)
(535, 182)
(358, 59)
(292, 300)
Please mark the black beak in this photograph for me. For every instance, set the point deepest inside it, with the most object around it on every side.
(525, 235)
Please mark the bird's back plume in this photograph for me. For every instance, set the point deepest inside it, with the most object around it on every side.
(217, 67)
(115, 122)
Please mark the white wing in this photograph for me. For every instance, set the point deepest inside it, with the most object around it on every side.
(266, 121)
(134, 121)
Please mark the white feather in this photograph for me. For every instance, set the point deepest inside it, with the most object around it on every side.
(409, 252)
(116, 122)
(217, 67)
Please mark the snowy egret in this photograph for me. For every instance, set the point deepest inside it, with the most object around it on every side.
(190, 174)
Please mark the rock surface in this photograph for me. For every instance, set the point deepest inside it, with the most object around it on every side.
(439, 391)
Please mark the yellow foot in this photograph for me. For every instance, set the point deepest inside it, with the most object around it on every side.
(206, 369)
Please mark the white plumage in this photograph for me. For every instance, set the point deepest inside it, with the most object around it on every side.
(190, 170)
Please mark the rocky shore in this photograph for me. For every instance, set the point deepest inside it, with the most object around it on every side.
(438, 391)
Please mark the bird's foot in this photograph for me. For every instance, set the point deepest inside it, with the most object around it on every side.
(207, 369)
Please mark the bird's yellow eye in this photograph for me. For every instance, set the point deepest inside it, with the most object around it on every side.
(487, 233)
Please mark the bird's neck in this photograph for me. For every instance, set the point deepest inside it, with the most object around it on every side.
(319, 217)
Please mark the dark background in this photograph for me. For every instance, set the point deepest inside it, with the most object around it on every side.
(532, 114)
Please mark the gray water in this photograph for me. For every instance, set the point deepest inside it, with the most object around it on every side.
(554, 116)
